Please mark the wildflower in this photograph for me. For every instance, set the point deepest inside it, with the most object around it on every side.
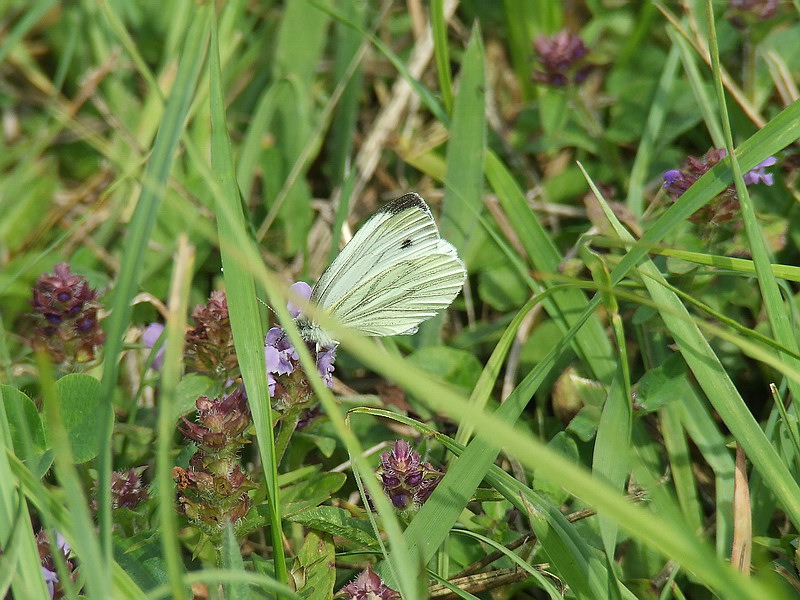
(759, 10)
(726, 205)
(220, 422)
(283, 361)
(302, 289)
(150, 336)
(209, 346)
(562, 59)
(757, 173)
(407, 481)
(66, 310)
(368, 586)
(49, 572)
(127, 488)
(214, 489)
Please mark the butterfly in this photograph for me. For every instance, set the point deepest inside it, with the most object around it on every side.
(395, 273)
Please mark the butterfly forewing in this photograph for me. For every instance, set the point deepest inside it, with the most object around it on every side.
(400, 230)
(395, 273)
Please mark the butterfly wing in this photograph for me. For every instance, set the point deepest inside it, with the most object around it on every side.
(395, 272)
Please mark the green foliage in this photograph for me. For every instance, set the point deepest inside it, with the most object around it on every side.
(584, 397)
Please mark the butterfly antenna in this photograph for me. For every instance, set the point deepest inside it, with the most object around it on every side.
(269, 308)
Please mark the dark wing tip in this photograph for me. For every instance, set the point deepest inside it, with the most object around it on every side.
(410, 200)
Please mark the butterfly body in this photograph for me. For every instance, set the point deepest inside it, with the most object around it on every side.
(395, 273)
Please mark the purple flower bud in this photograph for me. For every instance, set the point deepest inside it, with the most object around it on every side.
(407, 481)
(128, 489)
(66, 309)
(368, 586)
(301, 289)
(562, 59)
(209, 345)
(150, 336)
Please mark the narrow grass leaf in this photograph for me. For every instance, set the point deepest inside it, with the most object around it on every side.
(170, 376)
(706, 435)
(139, 230)
(715, 382)
(699, 87)
(591, 342)
(441, 54)
(650, 138)
(779, 318)
(465, 150)
(19, 544)
(232, 560)
(680, 460)
(241, 293)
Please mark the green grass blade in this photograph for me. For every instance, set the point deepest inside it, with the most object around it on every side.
(705, 434)
(441, 54)
(699, 87)
(591, 343)
(716, 384)
(738, 265)
(779, 318)
(463, 197)
(241, 293)
(680, 461)
(170, 377)
(153, 186)
(650, 138)
(465, 150)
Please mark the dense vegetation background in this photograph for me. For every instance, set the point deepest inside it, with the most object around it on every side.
(606, 411)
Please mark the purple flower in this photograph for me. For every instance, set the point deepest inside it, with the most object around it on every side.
(49, 572)
(65, 310)
(725, 206)
(407, 481)
(757, 173)
(302, 289)
(368, 586)
(325, 360)
(562, 59)
(282, 358)
(150, 336)
(753, 9)
(51, 579)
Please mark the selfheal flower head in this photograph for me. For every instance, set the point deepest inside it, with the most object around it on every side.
(407, 481)
(562, 59)
(66, 312)
(368, 586)
(209, 346)
(752, 10)
(49, 572)
(726, 205)
(214, 489)
(128, 489)
(221, 423)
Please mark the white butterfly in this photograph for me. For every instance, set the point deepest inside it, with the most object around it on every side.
(394, 274)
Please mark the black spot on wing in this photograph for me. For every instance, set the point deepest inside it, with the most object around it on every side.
(406, 244)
